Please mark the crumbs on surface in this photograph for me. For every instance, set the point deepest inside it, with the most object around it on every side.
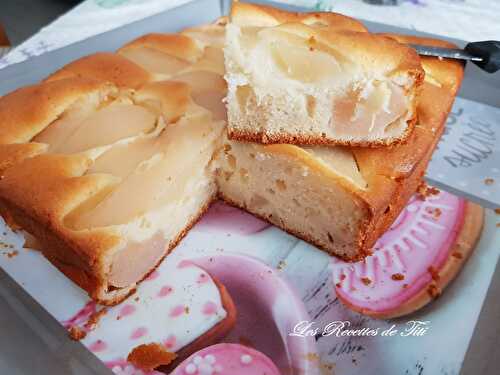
(497, 211)
(76, 333)
(366, 280)
(397, 277)
(150, 356)
(425, 191)
(437, 213)
(93, 320)
(281, 265)
(10, 254)
(433, 291)
(489, 181)
(326, 368)
(434, 273)
(313, 357)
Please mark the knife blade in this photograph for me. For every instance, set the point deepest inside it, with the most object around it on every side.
(449, 53)
(485, 54)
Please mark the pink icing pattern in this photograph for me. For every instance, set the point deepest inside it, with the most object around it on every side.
(177, 311)
(82, 316)
(227, 359)
(165, 291)
(209, 308)
(175, 305)
(138, 333)
(126, 311)
(420, 238)
(98, 346)
(224, 217)
(170, 342)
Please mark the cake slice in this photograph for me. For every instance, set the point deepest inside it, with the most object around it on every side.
(341, 199)
(316, 79)
(120, 178)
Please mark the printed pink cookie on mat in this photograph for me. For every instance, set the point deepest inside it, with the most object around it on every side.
(414, 260)
(181, 309)
(268, 309)
(227, 359)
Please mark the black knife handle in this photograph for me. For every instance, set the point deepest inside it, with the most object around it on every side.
(489, 51)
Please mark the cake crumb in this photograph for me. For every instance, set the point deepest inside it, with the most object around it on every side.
(76, 333)
(437, 213)
(93, 320)
(497, 211)
(281, 265)
(433, 291)
(457, 255)
(434, 273)
(498, 225)
(147, 357)
(313, 357)
(424, 191)
(366, 280)
(489, 181)
(11, 254)
(398, 277)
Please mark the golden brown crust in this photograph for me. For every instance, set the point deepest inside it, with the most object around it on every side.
(461, 249)
(449, 71)
(394, 173)
(105, 66)
(14, 153)
(40, 192)
(263, 137)
(181, 46)
(245, 14)
(27, 111)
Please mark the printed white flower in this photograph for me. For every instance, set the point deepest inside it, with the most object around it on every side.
(127, 370)
(203, 366)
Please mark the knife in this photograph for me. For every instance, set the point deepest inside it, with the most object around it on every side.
(485, 55)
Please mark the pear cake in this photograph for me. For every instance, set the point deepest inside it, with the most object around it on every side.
(108, 180)
(293, 80)
(110, 160)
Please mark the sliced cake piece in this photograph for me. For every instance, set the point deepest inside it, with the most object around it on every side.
(292, 81)
(341, 199)
(119, 178)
